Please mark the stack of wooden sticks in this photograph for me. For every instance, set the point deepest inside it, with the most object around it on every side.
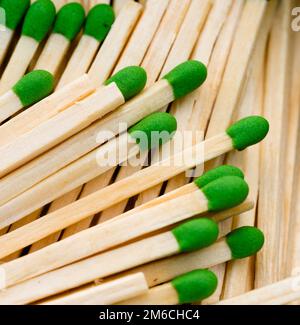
(105, 235)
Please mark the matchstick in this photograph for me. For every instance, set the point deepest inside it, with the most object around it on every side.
(256, 127)
(190, 236)
(93, 164)
(182, 239)
(239, 277)
(106, 294)
(58, 3)
(270, 262)
(45, 109)
(74, 119)
(114, 43)
(185, 289)
(67, 25)
(149, 101)
(37, 23)
(278, 293)
(14, 11)
(147, 25)
(98, 24)
(28, 90)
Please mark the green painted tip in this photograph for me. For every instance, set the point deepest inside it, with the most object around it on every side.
(245, 241)
(154, 130)
(186, 77)
(196, 234)
(212, 175)
(248, 131)
(34, 86)
(14, 11)
(225, 192)
(195, 286)
(130, 80)
(39, 19)
(69, 20)
(99, 21)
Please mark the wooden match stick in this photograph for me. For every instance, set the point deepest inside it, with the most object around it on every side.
(45, 109)
(185, 289)
(146, 178)
(118, 5)
(114, 43)
(98, 24)
(67, 25)
(189, 237)
(147, 25)
(105, 294)
(93, 164)
(14, 11)
(74, 119)
(270, 261)
(37, 23)
(30, 89)
(149, 101)
(278, 293)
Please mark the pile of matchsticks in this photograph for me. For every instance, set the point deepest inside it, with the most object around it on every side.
(219, 228)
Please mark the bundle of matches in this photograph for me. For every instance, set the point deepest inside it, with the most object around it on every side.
(96, 66)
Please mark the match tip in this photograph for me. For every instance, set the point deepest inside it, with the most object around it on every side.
(39, 19)
(196, 234)
(195, 286)
(248, 131)
(213, 174)
(130, 80)
(154, 130)
(69, 20)
(14, 11)
(99, 21)
(34, 86)
(225, 192)
(186, 77)
(245, 241)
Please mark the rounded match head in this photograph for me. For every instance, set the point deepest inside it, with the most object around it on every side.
(195, 286)
(186, 77)
(196, 234)
(14, 11)
(130, 80)
(248, 131)
(212, 175)
(225, 192)
(69, 20)
(245, 241)
(154, 130)
(39, 19)
(34, 86)
(99, 21)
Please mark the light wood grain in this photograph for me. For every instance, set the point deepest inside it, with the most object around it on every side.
(5, 41)
(9, 105)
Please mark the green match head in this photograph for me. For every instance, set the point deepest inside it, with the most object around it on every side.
(14, 11)
(225, 192)
(248, 131)
(211, 175)
(69, 20)
(39, 19)
(195, 286)
(186, 77)
(245, 241)
(130, 80)
(99, 21)
(196, 234)
(154, 130)
(34, 86)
